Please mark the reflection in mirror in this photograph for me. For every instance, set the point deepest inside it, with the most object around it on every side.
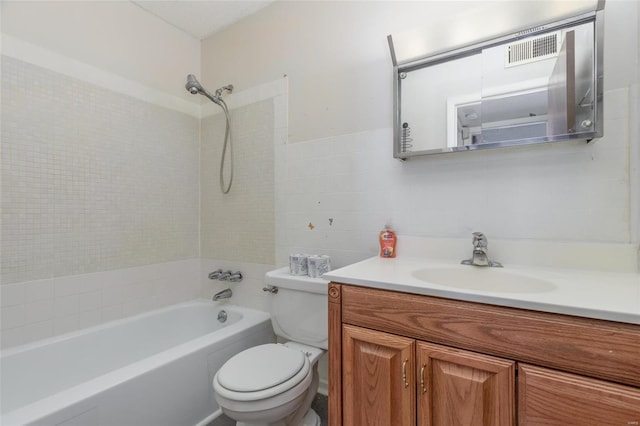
(541, 85)
(457, 82)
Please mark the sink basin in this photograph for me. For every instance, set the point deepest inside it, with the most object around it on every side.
(483, 279)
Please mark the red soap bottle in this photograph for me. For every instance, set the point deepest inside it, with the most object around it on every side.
(387, 242)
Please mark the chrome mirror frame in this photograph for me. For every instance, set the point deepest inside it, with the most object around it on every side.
(400, 69)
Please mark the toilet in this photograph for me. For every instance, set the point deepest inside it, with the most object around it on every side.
(274, 384)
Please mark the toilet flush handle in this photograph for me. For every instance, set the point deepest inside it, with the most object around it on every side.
(271, 289)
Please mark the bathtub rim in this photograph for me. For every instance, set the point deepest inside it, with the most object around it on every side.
(76, 394)
(86, 330)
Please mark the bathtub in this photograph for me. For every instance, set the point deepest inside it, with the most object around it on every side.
(152, 369)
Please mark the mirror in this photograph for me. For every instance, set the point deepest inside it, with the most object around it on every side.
(535, 86)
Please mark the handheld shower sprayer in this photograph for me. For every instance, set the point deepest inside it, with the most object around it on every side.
(194, 87)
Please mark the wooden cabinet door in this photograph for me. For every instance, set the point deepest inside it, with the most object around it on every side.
(552, 398)
(378, 386)
(461, 388)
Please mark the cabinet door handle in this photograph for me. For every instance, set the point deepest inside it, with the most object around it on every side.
(404, 373)
(424, 389)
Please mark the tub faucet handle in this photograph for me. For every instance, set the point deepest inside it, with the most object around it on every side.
(236, 277)
(215, 274)
(225, 276)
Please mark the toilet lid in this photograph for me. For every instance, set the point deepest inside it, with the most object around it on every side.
(261, 367)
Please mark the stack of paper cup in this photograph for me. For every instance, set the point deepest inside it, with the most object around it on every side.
(318, 265)
(298, 264)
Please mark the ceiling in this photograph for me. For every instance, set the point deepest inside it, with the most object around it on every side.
(202, 18)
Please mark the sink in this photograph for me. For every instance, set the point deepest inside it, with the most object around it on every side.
(483, 279)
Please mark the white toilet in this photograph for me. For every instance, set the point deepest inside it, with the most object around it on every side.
(274, 384)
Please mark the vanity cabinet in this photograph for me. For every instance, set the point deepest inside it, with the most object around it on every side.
(549, 397)
(384, 373)
(378, 378)
(463, 388)
(404, 359)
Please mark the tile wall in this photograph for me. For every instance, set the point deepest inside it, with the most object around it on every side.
(339, 192)
(239, 225)
(239, 229)
(100, 203)
(38, 309)
(91, 180)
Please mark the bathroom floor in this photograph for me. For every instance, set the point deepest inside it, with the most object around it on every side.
(319, 405)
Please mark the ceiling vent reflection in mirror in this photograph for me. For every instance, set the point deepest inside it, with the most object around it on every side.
(532, 49)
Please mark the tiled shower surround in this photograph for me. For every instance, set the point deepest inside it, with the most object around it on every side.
(109, 201)
(239, 226)
(100, 204)
(92, 180)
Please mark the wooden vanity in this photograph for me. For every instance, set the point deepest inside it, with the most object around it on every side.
(400, 359)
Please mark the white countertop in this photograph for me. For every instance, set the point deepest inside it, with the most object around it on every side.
(611, 296)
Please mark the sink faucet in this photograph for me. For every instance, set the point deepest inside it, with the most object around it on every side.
(224, 294)
(480, 256)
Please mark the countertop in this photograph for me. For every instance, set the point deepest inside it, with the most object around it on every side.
(613, 296)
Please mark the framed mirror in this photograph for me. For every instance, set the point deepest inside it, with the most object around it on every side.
(543, 84)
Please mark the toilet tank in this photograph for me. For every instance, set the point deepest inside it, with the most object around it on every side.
(299, 310)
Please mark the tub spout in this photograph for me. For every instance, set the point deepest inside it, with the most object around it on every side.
(224, 294)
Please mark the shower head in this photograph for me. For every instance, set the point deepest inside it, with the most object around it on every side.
(193, 86)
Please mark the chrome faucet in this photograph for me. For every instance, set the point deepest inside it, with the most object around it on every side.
(234, 277)
(224, 294)
(219, 274)
(224, 276)
(215, 274)
(480, 256)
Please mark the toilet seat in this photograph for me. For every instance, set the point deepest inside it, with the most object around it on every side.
(261, 372)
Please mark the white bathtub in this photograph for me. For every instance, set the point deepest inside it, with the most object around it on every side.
(151, 369)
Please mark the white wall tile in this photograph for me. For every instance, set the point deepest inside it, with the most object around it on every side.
(38, 311)
(90, 301)
(11, 295)
(38, 290)
(12, 337)
(66, 306)
(112, 295)
(239, 226)
(93, 180)
(67, 286)
(112, 313)
(12, 316)
(37, 331)
(89, 318)
(567, 191)
(66, 324)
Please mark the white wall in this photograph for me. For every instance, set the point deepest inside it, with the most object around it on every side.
(340, 105)
(334, 53)
(114, 36)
